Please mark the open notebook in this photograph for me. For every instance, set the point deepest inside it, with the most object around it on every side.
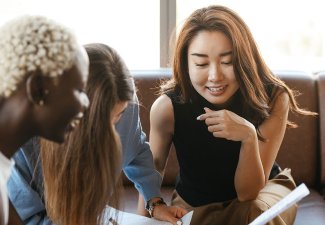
(293, 197)
(116, 217)
(125, 218)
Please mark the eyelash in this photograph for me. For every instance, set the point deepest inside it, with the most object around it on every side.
(227, 63)
(201, 65)
(205, 64)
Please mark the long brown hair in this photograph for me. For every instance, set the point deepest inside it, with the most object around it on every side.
(82, 175)
(258, 85)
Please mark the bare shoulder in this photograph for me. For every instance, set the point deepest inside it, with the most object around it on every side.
(162, 102)
(162, 113)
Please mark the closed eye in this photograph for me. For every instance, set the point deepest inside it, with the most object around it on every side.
(201, 65)
(226, 63)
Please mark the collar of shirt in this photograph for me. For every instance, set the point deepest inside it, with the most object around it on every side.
(5, 165)
(5, 169)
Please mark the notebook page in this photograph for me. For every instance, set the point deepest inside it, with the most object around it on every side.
(125, 218)
(293, 197)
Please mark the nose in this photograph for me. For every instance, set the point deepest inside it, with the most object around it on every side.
(84, 100)
(215, 74)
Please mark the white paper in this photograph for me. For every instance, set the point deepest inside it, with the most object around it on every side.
(125, 218)
(293, 197)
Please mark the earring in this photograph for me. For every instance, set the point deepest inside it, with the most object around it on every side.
(41, 102)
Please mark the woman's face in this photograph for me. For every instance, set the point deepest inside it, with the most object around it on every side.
(210, 67)
(67, 101)
(118, 111)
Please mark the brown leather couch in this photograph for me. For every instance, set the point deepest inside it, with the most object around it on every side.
(303, 148)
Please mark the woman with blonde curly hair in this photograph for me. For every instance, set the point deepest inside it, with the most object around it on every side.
(43, 72)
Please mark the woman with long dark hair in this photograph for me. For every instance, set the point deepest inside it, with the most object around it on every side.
(226, 114)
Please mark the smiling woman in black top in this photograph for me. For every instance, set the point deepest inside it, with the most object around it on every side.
(226, 114)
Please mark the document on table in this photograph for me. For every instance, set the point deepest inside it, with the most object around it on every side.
(116, 217)
(293, 197)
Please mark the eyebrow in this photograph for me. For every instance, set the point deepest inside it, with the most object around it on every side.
(204, 55)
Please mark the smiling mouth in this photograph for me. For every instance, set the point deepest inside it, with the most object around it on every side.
(74, 123)
(76, 120)
(216, 89)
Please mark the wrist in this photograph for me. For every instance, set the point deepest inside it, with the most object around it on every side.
(251, 136)
(152, 203)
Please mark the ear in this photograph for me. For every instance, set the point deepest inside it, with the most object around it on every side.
(36, 89)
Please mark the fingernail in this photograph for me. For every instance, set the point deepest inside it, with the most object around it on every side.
(179, 223)
(198, 118)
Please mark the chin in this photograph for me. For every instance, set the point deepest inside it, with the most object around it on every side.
(58, 138)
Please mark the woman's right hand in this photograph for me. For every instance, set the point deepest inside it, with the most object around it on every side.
(228, 125)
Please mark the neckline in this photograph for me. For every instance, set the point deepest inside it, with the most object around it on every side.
(234, 101)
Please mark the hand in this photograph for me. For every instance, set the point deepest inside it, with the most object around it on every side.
(171, 214)
(226, 124)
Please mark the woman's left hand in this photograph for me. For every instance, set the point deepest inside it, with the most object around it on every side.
(226, 124)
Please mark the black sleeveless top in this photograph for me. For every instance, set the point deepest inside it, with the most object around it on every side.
(207, 164)
(215, 160)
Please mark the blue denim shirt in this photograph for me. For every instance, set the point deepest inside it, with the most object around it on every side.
(25, 184)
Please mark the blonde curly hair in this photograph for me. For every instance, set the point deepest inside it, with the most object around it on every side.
(33, 43)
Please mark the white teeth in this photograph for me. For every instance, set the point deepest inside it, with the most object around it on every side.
(79, 115)
(74, 123)
(215, 89)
